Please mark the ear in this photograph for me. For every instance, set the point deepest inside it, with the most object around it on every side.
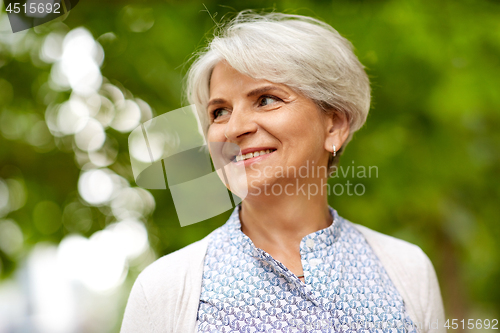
(337, 127)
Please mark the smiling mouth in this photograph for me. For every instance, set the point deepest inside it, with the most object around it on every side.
(243, 157)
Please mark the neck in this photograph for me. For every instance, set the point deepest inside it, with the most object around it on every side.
(280, 222)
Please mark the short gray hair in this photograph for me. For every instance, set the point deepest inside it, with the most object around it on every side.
(301, 52)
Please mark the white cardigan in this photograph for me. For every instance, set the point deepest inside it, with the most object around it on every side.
(166, 295)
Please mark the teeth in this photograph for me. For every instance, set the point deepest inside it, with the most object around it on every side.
(254, 154)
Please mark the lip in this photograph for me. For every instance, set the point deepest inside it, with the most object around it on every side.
(249, 161)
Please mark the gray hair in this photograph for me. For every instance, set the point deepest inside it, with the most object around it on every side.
(301, 52)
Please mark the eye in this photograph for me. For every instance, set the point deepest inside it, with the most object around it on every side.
(219, 112)
(267, 100)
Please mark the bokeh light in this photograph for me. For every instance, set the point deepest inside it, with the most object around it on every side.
(100, 262)
(11, 237)
(53, 297)
(96, 186)
(91, 137)
(4, 198)
(103, 226)
(128, 116)
(72, 116)
(52, 48)
(78, 67)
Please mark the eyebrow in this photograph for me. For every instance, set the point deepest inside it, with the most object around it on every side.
(254, 92)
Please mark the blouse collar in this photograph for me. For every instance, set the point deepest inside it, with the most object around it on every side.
(316, 241)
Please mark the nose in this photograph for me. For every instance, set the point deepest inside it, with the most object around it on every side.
(240, 122)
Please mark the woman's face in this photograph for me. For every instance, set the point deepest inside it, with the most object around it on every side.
(284, 128)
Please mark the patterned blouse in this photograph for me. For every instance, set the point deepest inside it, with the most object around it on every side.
(346, 288)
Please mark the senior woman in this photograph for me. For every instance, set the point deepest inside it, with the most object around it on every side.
(289, 92)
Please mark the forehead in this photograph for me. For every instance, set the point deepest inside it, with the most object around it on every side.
(226, 79)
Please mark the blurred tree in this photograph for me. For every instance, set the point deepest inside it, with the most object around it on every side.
(432, 133)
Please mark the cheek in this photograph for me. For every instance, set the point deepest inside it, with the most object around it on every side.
(306, 134)
(215, 133)
(296, 125)
(286, 122)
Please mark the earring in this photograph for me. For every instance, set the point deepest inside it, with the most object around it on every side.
(226, 135)
(334, 151)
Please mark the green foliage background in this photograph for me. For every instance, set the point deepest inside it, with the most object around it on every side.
(433, 130)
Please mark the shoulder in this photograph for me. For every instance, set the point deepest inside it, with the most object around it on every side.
(406, 263)
(413, 275)
(403, 261)
(394, 248)
(175, 267)
(165, 295)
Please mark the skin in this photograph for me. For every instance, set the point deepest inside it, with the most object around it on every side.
(292, 124)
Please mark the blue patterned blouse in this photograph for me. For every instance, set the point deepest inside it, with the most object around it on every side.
(346, 288)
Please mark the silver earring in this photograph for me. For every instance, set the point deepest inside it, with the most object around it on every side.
(334, 151)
